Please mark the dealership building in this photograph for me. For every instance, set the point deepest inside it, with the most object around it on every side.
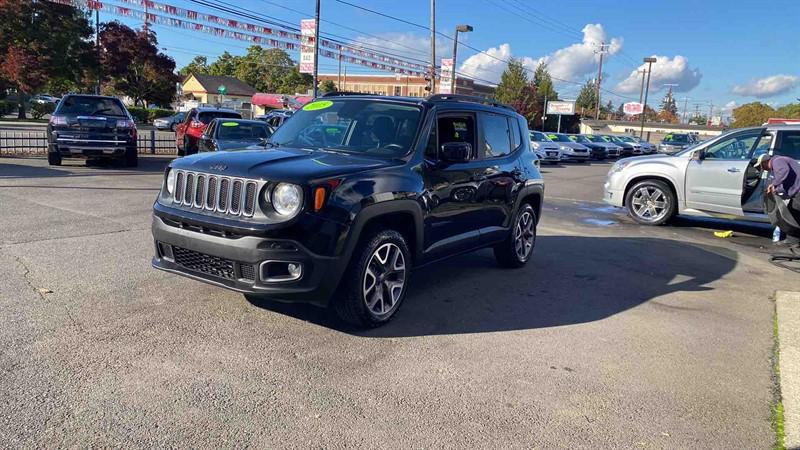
(403, 85)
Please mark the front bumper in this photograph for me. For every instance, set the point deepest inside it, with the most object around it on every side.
(86, 148)
(243, 263)
(611, 193)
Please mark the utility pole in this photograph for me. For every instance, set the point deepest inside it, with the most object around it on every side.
(710, 113)
(685, 105)
(97, 46)
(433, 46)
(345, 79)
(641, 90)
(602, 52)
(650, 62)
(339, 76)
(316, 49)
(145, 17)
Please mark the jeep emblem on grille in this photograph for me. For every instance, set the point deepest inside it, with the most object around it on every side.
(218, 167)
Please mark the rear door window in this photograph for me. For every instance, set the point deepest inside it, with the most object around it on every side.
(788, 144)
(496, 135)
(79, 105)
(516, 133)
(207, 116)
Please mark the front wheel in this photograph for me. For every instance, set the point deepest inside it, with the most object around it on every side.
(517, 248)
(376, 281)
(54, 158)
(131, 157)
(651, 202)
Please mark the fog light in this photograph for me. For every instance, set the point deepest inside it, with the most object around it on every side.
(279, 271)
(294, 270)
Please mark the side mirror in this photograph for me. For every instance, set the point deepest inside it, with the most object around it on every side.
(455, 152)
(699, 155)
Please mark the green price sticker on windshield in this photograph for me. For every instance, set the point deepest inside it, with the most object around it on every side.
(230, 124)
(316, 106)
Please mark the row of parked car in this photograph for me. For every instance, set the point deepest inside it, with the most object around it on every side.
(557, 147)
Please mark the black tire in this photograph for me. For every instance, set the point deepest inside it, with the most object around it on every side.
(659, 199)
(54, 158)
(131, 157)
(187, 147)
(351, 302)
(506, 252)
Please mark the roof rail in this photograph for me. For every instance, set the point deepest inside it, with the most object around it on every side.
(467, 98)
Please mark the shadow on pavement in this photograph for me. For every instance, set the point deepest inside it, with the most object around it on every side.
(560, 286)
(78, 168)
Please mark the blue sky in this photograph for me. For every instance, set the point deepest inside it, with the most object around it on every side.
(716, 51)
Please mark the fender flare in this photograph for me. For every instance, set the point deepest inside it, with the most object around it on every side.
(528, 190)
(375, 210)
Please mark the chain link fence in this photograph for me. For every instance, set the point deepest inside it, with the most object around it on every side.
(34, 143)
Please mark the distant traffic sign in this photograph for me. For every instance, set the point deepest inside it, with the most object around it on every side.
(633, 108)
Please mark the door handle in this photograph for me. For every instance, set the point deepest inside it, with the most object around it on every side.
(733, 170)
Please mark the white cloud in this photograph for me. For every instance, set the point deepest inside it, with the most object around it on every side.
(569, 63)
(768, 86)
(666, 70)
(489, 65)
(729, 107)
(580, 59)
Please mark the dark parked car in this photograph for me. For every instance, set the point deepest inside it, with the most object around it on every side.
(169, 123)
(188, 132)
(276, 118)
(308, 219)
(233, 134)
(91, 127)
(628, 148)
(598, 151)
(675, 142)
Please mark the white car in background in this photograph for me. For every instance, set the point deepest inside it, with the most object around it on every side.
(715, 178)
(545, 149)
(570, 150)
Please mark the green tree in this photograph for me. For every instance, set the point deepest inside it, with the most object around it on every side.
(544, 84)
(790, 111)
(587, 99)
(517, 91)
(699, 119)
(225, 65)
(133, 66)
(328, 86)
(668, 104)
(41, 43)
(751, 114)
(271, 70)
(199, 65)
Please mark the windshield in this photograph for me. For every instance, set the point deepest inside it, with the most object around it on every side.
(595, 138)
(207, 116)
(242, 130)
(677, 139)
(91, 106)
(626, 139)
(578, 138)
(369, 127)
(558, 138)
(611, 139)
(538, 137)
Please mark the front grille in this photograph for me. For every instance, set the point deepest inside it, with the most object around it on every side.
(225, 195)
(204, 263)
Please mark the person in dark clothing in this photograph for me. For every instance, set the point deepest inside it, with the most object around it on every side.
(785, 177)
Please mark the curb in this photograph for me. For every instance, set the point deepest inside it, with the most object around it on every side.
(787, 307)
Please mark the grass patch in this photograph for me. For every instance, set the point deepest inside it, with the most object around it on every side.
(776, 409)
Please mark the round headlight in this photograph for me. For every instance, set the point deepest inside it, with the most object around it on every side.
(564, 148)
(287, 199)
(171, 181)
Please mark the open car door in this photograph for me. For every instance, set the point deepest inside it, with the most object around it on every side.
(756, 180)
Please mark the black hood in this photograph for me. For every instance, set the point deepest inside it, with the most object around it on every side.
(280, 164)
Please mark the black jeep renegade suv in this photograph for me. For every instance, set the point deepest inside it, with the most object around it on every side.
(348, 196)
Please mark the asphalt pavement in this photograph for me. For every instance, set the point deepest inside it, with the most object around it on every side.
(615, 335)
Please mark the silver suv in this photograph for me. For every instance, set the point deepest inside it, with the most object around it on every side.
(714, 178)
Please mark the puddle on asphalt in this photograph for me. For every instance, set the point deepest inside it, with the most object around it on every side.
(601, 209)
(600, 222)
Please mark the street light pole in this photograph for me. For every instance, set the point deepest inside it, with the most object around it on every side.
(641, 90)
(463, 29)
(650, 62)
(599, 79)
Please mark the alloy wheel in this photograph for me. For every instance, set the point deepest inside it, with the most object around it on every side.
(384, 279)
(524, 235)
(650, 203)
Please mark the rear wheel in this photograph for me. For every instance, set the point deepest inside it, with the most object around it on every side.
(516, 250)
(187, 148)
(54, 158)
(376, 281)
(651, 202)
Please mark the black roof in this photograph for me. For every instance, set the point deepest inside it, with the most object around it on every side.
(233, 86)
(201, 109)
(433, 99)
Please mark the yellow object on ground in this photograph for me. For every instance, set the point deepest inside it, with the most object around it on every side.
(723, 234)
